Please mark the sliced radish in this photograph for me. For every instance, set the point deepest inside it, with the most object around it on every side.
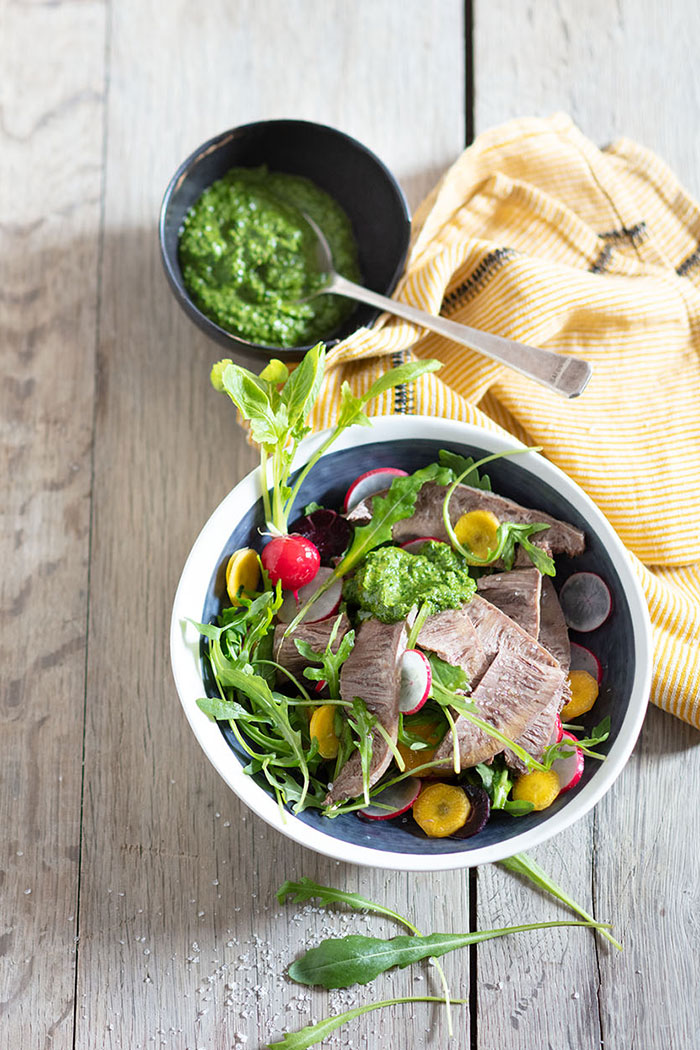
(414, 546)
(557, 732)
(368, 484)
(416, 680)
(583, 659)
(569, 768)
(326, 605)
(395, 800)
(585, 601)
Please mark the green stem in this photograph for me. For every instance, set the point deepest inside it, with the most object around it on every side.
(470, 558)
(314, 1033)
(301, 477)
(267, 509)
(522, 864)
(444, 697)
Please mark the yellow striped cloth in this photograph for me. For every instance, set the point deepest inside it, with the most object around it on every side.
(538, 235)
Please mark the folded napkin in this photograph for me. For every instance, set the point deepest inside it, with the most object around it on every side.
(538, 235)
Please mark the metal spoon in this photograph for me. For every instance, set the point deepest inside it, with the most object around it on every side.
(568, 376)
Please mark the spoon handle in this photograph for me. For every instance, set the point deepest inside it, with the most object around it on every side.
(567, 376)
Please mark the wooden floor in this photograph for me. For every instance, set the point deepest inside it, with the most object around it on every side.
(137, 906)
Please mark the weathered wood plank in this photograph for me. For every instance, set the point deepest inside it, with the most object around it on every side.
(51, 96)
(182, 942)
(610, 66)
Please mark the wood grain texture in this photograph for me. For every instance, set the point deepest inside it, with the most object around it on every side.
(49, 225)
(182, 941)
(634, 860)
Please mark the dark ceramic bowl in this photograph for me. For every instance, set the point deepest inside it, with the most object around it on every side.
(622, 644)
(340, 165)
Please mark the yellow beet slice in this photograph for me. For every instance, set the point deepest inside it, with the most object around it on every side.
(432, 733)
(441, 809)
(540, 787)
(477, 531)
(584, 693)
(322, 726)
(242, 571)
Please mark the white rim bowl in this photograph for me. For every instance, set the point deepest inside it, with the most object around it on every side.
(187, 670)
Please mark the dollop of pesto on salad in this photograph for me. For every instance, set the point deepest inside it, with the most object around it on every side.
(392, 581)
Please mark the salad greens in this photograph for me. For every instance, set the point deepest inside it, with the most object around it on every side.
(339, 962)
(277, 404)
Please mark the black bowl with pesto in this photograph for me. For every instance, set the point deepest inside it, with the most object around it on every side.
(335, 163)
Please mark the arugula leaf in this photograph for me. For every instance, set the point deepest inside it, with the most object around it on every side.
(339, 962)
(315, 1033)
(463, 467)
(331, 662)
(362, 723)
(523, 864)
(306, 889)
(447, 675)
(278, 417)
(566, 747)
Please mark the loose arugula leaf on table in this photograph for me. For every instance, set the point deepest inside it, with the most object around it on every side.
(339, 962)
(314, 1033)
(306, 889)
(523, 864)
(330, 662)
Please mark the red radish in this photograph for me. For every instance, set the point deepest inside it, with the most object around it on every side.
(415, 546)
(398, 798)
(293, 560)
(326, 605)
(368, 484)
(585, 601)
(583, 659)
(557, 732)
(416, 680)
(569, 768)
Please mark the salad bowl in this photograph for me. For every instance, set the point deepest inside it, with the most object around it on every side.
(622, 644)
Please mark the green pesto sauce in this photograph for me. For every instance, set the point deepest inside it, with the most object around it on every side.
(247, 255)
(392, 581)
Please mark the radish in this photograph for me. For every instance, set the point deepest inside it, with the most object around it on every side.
(583, 659)
(416, 680)
(557, 732)
(326, 605)
(569, 768)
(398, 798)
(293, 560)
(369, 484)
(585, 601)
(415, 546)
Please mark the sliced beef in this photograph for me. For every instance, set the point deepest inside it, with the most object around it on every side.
(452, 637)
(554, 637)
(536, 736)
(372, 671)
(560, 537)
(316, 634)
(554, 634)
(517, 594)
(516, 688)
(522, 680)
